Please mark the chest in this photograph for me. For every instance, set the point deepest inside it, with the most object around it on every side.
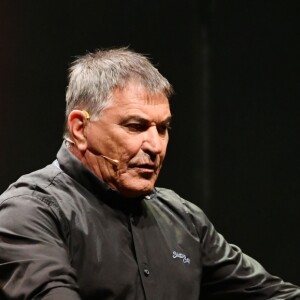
(149, 255)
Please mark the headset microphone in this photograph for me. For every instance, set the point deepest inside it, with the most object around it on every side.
(113, 161)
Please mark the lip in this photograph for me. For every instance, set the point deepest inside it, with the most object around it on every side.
(145, 168)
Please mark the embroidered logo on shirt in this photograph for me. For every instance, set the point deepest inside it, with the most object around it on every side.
(182, 256)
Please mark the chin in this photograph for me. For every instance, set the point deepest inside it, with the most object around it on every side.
(134, 191)
(133, 185)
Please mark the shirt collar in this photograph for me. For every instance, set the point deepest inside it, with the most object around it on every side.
(73, 167)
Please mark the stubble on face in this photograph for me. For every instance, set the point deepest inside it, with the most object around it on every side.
(133, 131)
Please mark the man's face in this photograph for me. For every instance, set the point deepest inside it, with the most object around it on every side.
(133, 131)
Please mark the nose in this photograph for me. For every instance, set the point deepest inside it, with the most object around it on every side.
(154, 143)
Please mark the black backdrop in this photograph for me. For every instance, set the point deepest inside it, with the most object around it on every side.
(234, 66)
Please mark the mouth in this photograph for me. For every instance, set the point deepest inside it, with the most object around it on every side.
(145, 168)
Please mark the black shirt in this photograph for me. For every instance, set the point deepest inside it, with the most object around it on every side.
(64, 234)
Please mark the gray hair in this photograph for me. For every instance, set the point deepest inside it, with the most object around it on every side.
(94, 76)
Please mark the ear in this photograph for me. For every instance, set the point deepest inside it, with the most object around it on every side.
(77, 121)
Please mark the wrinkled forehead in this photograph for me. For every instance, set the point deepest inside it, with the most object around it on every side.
(134, 89)
(136, 100)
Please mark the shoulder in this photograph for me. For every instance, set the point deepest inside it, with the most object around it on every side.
(189, 213)
(35, 184)
(29, 199)
(173, 200)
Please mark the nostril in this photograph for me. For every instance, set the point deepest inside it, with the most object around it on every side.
(152, 156)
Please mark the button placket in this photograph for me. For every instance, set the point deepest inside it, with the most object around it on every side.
(138, 236)
(132, 219)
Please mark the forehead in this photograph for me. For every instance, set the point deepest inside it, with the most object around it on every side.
(134, 99)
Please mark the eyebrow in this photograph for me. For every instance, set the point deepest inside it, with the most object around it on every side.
(143, 120)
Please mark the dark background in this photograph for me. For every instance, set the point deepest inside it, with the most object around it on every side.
(234, 64)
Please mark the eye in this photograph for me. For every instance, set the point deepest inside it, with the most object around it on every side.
(136, 127)
(163, 128)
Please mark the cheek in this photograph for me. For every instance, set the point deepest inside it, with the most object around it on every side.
(164, 147)
(165, 143)
(118, 147)
(129, 148)
(100, 142)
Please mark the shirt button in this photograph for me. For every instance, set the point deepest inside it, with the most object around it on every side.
(133, 220)
(146, 272)
(148, 197)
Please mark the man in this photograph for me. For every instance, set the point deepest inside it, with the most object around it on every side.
(92, 225)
